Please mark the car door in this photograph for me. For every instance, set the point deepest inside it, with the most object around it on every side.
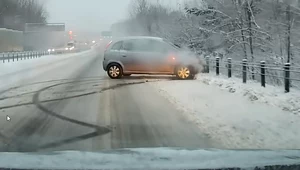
(161, 57)
(133, 56)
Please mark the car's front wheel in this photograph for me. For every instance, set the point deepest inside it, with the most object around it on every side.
(184, 72)
(114, 71)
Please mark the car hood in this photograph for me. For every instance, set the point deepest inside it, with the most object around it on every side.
(151, 158)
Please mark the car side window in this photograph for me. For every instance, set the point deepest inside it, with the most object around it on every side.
(117, 46)
(157, 46)
(128, 45)
(135, 45)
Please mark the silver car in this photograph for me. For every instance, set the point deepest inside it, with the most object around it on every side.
(148, 55)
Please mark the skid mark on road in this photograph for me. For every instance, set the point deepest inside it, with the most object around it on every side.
(36, 101)
(98, 130)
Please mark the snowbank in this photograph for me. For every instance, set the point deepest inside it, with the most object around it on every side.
(238, 116)
(271, 95)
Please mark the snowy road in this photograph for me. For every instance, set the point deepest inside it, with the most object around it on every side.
(68, 103)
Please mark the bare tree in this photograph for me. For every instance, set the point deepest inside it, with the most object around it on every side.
(15, 13)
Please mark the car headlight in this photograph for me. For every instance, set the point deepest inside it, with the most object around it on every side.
(53, 50)
(49, 50)
(66, 48)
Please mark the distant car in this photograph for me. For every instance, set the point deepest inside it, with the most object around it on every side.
(148, 55)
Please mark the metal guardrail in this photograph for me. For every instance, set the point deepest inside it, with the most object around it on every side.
(274, 74)
(16, 56)
(25, 55)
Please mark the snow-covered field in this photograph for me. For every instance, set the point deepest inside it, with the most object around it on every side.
(236, 114)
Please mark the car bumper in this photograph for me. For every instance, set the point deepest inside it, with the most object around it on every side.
(104, 65)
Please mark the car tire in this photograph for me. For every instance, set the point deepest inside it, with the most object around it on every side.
(114, 71)
(184, 73)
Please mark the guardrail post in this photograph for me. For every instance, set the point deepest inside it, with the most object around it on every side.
(263, 73)
(17, 56)
(229, 68)
(8, 57)
(207, 64)
(287, 80)
(218, 66)
(244, 70)
(13, 57)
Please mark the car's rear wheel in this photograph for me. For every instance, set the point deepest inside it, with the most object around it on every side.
(184, 72)
(114, 71)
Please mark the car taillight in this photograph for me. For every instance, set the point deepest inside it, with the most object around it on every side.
(108, 45)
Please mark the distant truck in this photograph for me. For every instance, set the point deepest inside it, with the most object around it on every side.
(106, 34)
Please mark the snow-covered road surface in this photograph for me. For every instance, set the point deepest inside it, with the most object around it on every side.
(238, 115)
(68, 103)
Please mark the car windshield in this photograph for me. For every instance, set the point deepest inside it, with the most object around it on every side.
(95, 76)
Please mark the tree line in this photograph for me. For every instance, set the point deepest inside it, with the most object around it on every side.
(242, 29)
(15, 13)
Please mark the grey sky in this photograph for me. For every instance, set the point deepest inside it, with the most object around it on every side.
(90, 15)
(87, 15)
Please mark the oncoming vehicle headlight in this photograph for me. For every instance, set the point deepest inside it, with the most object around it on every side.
(49, 50)
(66, 48)
(53, 50)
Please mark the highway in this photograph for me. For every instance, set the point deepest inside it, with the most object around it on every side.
(71, 104)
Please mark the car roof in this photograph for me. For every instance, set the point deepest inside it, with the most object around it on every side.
(139, 37)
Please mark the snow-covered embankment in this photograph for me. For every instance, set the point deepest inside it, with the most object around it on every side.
(238, 115)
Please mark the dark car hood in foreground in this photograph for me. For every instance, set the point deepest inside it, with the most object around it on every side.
(152, 158)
